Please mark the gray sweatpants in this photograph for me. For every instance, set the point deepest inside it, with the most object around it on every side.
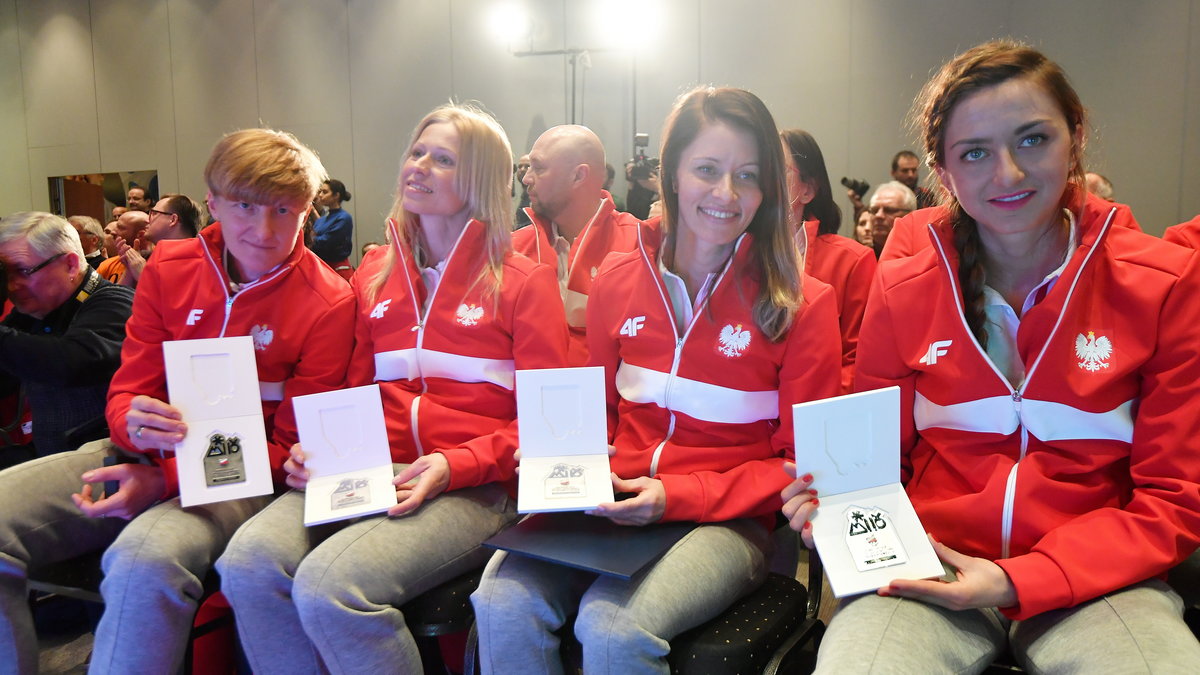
(330, 594)
(1137, 629)
(623, 626)
(154, 565)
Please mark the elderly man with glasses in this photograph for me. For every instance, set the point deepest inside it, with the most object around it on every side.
(61, 342)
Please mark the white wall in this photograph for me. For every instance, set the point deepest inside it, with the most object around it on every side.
(115, 85)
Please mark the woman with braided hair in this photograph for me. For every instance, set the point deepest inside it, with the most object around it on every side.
(1046, 357)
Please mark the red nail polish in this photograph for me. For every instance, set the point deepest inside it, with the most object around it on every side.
(812, 492)
(807, 478)
(807, 525)
(816, 502)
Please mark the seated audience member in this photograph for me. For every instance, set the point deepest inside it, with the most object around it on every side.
(129, 228)
(905, 165)
(862, 230)
(575, 223)
(727, 312)
(446, 314)
(1185, 234)
(610, 174)
(333, 233)
(116, 212)
(173, 217)
(842, 263)
(137, 200)
(1099, 185)
(889, 202)
(110, 239)
(61, 343)
(910, 234)
(522, 218)
(368, 247)
(247, 275)
(91, 237)
(1050, 447)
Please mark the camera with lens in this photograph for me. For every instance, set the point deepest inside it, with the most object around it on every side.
(859, 187)
(641, 167)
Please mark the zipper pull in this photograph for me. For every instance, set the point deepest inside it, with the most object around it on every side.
(1016, 397)
(417, 327)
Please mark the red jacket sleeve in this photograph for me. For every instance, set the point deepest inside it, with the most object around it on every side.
(854, 302)
(808, 372)
(539, 340)
(1110, 548)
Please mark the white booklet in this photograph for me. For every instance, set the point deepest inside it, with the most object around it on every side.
(346, 453)
(563, 428)
(865, 529)
(214, 383)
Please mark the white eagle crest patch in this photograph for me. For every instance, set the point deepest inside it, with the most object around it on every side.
(469, 315)
(262, 336)
(1095, 351)
(733, 340)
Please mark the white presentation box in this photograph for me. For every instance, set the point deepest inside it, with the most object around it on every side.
(346, 453)
(214, 383)
(865, 529)
(564, 440)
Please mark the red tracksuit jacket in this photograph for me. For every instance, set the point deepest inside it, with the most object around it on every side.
(447, 376)
(706, 411)
(1085, 478)
(609, 231)
(300, 317)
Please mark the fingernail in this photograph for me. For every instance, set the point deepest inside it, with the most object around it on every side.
(813, 492)
(807, 478)
(816, 502)
(87, 476)
(808, 525)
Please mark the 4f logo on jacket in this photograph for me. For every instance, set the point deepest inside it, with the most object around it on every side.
(633, 325)
(733, 340)
(1094, 351)
(377, 312)
(936, 348)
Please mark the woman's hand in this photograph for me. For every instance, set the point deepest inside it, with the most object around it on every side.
(646, 506)
(297, 475)
(799, 503)
(140, 486)
(153, 424)
(424, 479)
(980, 583)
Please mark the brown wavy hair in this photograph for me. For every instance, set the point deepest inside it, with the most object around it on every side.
(773, 249)
(984, 66)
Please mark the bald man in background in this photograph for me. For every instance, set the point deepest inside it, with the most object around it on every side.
(131, 225)
(574, 221)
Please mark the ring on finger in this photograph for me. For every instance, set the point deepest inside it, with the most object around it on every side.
(138, 434)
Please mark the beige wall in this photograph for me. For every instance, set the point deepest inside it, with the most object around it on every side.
(113, 85)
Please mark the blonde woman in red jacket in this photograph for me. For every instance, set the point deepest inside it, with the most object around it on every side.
(446, 314)
(1046, 355)
(708, 334)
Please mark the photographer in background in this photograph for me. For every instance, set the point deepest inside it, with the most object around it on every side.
(61, 343)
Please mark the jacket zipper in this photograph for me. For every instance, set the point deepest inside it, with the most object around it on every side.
(679, 341)
(1017, 395)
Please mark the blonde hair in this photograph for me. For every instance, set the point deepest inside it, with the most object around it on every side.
(262, 165)
(776, 263)
(483, 181)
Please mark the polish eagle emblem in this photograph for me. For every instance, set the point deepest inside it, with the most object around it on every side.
(733, 340)
(1094, 351)
(262, 336)
(469, 315)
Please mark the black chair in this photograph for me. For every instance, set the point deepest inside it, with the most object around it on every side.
(764, 632)
(443, 610)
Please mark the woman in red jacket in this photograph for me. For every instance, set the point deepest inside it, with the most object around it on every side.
(708, 334)
(839, 261)
(1046, 355)
(446, 314)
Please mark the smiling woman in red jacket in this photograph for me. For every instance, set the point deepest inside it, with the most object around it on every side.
(708, 334)
(446, 314)
(1046, 355)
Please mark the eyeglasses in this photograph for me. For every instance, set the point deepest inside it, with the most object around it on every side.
(30, 271)
(162, 213)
